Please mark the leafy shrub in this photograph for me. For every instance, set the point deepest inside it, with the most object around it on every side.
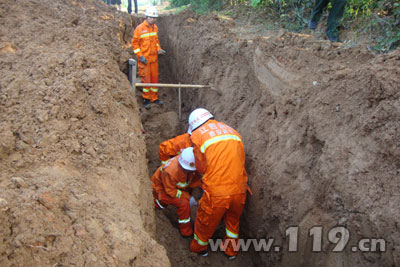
(178, 3)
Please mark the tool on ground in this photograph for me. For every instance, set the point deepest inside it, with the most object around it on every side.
(173, 85)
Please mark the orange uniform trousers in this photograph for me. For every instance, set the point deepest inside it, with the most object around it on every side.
(182, 209)
(149, 74)
(209, 214)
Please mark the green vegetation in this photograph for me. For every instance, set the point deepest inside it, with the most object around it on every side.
(379, 20)
(202, 6)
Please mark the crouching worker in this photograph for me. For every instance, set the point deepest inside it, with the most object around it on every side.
(174, 147)
(172, 186)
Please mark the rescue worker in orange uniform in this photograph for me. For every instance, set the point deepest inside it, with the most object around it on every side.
(171, 186)
(146, 47)
(173, 147)
(219, 156)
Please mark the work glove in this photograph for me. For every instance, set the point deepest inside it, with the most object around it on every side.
(143, 59)
(192, 202)
(161, 52)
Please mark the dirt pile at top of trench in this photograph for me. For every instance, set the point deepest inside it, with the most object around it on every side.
(74, 182)
(320, 123)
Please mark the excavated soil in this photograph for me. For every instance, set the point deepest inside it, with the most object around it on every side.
(320, 125)
(74, 182)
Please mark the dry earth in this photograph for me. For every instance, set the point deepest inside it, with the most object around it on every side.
(320, 124)
(74, 180)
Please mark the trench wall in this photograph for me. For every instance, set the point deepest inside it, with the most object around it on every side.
(320, 133)
(75, 187)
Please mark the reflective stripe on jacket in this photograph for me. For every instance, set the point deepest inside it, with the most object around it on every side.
(145, 41)
(219, 155)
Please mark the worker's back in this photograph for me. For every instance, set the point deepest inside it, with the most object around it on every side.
(220, 156)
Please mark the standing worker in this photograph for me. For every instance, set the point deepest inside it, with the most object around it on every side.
(116, 3)
(130, 6)
(172, 185)
(219, 155)
(334, 19)
(146, 47)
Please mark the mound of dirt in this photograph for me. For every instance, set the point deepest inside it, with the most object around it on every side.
(320, 124)
(74, 179)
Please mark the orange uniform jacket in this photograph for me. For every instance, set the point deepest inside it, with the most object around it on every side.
(173, 146)
(171, 179)
(145, 42)
(219, 155)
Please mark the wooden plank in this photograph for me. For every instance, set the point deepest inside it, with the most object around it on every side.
(172, 85)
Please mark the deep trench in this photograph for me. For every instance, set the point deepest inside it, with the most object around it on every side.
(160, 124)
(296, 162)
(311, 162)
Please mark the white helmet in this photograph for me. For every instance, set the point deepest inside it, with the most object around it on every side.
(197, 118)
(151, 12)
(186, 159)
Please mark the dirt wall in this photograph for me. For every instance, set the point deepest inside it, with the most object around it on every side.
(74, 181)
(320, 125)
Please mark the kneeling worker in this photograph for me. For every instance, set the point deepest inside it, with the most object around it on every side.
(171, 186)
